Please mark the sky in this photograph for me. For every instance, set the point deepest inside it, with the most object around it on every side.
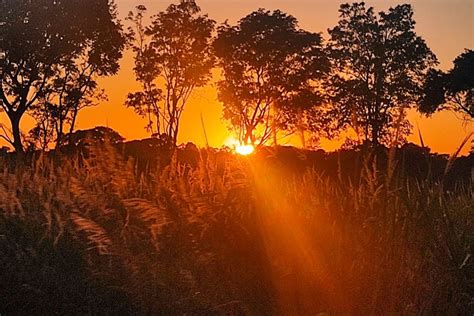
(446, 25)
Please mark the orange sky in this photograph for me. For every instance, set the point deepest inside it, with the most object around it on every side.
(446, 25)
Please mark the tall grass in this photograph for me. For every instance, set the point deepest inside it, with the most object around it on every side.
(232, 235)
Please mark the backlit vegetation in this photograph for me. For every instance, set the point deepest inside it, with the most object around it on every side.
(95, 235)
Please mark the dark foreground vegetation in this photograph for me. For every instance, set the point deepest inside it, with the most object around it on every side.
(207, 232)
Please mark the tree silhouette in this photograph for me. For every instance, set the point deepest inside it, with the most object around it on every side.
(73, 89)
(175, 49)
(379, 63)
(270, 70)
(98, 134)
(53, 50)
(453, 90)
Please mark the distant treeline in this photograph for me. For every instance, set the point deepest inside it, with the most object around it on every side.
(148, 155)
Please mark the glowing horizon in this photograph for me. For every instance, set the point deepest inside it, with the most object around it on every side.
(446, 26)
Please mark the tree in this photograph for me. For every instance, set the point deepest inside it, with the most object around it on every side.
(175, 50)
(453, 90)
(53, 52)
(271, 69)
(98, 134)
(378, 66)
(55, 112)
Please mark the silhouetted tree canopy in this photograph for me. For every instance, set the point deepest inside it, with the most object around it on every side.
(379, 64)
(98, 134)
(453, 90)
(53, 51)
(176, 49)
(271, 68)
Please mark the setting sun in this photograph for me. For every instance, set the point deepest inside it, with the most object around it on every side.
(244, 150)
(238, 147)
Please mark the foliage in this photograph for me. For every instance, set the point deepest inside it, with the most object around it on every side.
(53, 51)
(56, 113)
(452, 90)
(271, 69)
(92, 236)
(379, 63)
(97, 134)
(175, 48)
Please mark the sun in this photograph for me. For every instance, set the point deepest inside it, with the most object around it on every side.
(244, 150)
(238, 147)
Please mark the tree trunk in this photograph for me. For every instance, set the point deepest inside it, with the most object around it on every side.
(73, 122)
(15, 123)
(248, 137)
(59, 139)
(275, 139)
(175, 132)
(375, 136)
(274, 130)
(303, 138)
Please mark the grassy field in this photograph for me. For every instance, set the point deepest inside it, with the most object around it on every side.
(231, 235)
